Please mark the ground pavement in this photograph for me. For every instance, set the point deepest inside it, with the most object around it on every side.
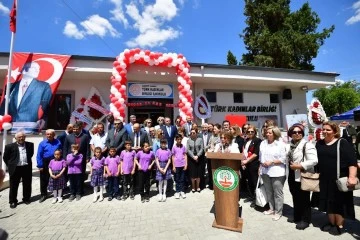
(175, 219)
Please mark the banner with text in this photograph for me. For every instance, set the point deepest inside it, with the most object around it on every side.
(150, 90)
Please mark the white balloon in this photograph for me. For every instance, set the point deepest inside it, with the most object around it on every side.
(188, 105)
(173, 63)
(123, 87)
(1, 118)
(151, 62)
(137, 56)
(118, 77)
(190, 91)
(181, 96)
(186, 70)
(181, 66)
(179, 79)
(7, 126)
(161, 59)
(187, 87)
(117, 95)
(121, 100)
(123, 65)
(131, 59)
(183, 82)
(146, 58)
(126, 50)
(113, 90)
(184, 100)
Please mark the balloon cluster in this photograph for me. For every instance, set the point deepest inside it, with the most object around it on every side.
(146, 57)
(5, 122)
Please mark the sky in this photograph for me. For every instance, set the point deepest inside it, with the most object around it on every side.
(202, 30)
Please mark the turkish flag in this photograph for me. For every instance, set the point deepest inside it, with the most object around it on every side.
(236, 119)
(13, 18)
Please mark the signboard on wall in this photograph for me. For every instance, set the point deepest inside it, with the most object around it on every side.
(150, 90)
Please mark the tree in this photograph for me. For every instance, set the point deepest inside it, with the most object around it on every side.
(231, 59)
(339, 98)
(277, 37)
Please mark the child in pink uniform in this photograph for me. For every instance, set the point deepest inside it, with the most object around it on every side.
(163, 173)
(179, 162)
(127, 158)
(98, 173)
(57, 181)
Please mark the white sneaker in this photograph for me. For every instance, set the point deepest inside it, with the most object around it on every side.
(183, 195)
(160, 198)
(60, 200)
(54, 200)
(276, 217)
(164, 198)
(177, 195)
(94, 199)
(101, 199)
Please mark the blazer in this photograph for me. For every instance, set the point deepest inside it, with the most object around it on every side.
(12, 154)
(84, 146)
(35, 102)
(206, 144)
(143, 138)
(118, 141)
(128, 128)
(170, 138)
(193, 145)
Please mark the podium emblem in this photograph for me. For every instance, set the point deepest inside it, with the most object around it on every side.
(226, 179)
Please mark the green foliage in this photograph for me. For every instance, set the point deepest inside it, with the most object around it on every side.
(276, 37)
(231, 59)
(339, 98)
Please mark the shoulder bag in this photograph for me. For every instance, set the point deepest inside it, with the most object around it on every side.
(309, 181)
(342, 182)
(260, 192)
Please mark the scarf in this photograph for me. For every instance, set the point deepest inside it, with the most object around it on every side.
(293, 146)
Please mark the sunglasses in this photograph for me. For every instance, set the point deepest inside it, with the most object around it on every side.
(250, 132)
(296, 132)
(161, 133)
(193, 133)
(149, 122)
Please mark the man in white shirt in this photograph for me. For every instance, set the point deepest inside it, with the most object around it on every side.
(99, 139)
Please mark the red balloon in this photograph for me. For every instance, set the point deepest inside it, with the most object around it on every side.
(117, 85)
(180, 55)
(180, 87)
(127, 54)
(181, 105)
(113, 99)
(118, 68)
(122, 73)
(147, 52)
(113, 81)
(117, 104)
(116, 63)
(6, 118)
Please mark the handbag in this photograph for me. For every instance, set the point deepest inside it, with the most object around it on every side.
(341, 182)
(261, 197)
(309, 181)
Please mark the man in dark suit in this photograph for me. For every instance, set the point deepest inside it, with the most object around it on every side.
(61, 137)
(205, 136)
(117, 136)
(169, 132)
(78, 137)
(188, 126)
(29, 97)
(137, 137)
(17, 157)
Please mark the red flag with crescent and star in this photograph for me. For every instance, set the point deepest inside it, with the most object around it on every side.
(34, 80)
(13, 18)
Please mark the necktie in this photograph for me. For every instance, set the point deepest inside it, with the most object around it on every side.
(168, 130)
(115, 133)
(135, 140)
(23, 88)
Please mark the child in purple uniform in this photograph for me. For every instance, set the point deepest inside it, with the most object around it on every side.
(144, 160)
(163, 173)
(112, 168)
(179, 162)
(127, 157)
(97, 173)
(73, 161)
(57, 181)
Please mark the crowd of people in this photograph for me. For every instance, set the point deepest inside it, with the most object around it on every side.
(127, 158)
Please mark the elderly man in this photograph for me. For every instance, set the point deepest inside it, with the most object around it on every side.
(45, 153)
(99, 139)
(137, 137)
(117, 136)
(17, 157)
(188, 126)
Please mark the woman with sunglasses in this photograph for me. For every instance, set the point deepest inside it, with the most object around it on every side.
(160, 121)
(147, 125)
(273, 171)
(195, 150)
(302, 156)
(156, 142)
(250, 163)
(178, 122)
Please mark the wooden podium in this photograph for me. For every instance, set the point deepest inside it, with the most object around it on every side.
(226, 182)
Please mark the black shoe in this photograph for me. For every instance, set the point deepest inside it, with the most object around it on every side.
(110, 198)
(71, 198)
(42, 199)
(118, 198)
(340, 230)
(326, 227)
(142, 199)
(78, 197)
(248, 200)
(302, 225)
(27, 202)
(13, 205)
(290, 220)
(147, 199)
(253, 204)
(132, 197)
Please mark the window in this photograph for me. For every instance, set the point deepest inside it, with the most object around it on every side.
(274, 98)
(60, 111)
(238, 98)
(211, 97)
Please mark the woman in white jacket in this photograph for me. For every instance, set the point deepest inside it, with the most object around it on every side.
(272, 170)
(302, 156)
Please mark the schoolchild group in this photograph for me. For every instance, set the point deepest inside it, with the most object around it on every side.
(107, 170)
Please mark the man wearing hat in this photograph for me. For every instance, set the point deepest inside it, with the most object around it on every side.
(117, 136)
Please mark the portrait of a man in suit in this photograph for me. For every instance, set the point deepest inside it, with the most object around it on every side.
(29, 97)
